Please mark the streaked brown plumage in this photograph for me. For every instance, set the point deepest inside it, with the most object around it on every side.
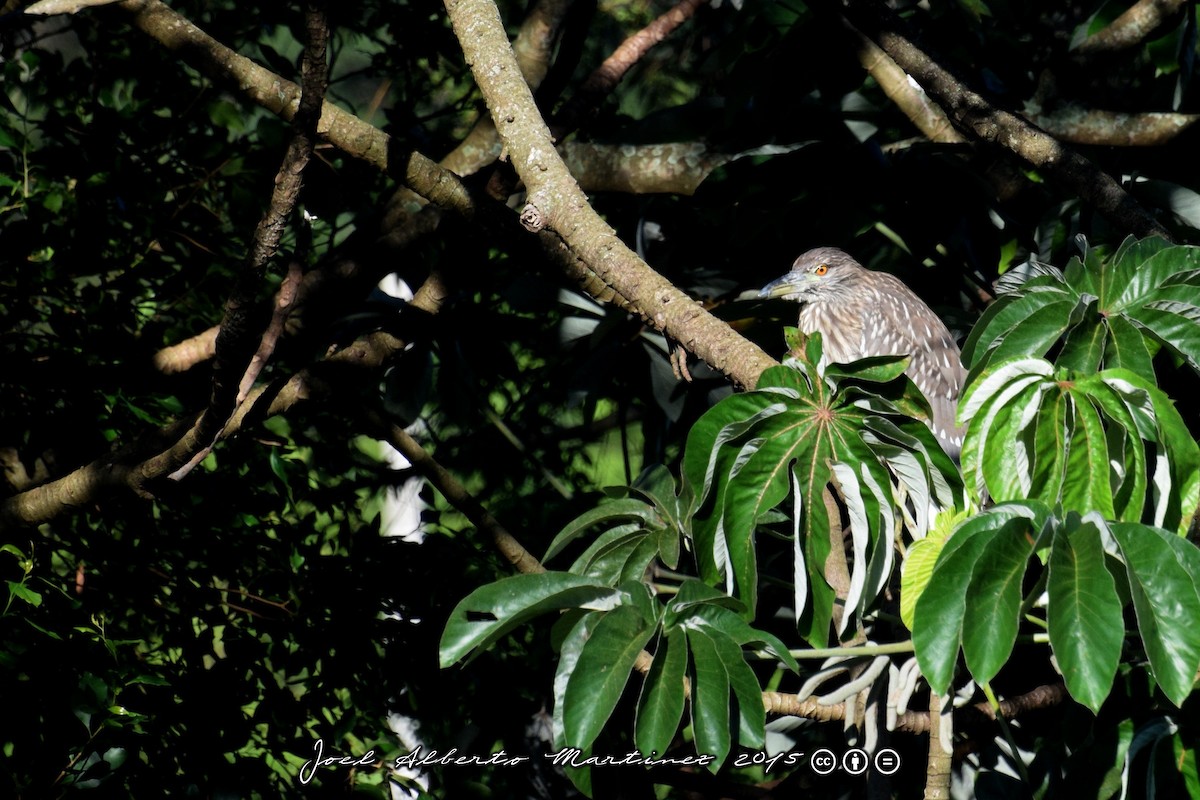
(861, 312)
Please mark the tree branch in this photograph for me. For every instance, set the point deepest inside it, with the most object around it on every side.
(674, 167)
(1042, 697)
(534, 47)
(972, 113)
(353, 136)
(937, 764)
(620, 277)
(457, 495)
(131, 467)
(1112, 129)
(586, 101)
(242, 348)
(1131, 28)
(555, 202)
(909, 98)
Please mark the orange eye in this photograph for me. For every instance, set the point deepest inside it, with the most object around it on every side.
(821, 270)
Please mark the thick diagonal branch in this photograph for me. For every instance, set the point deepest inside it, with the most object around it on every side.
(555, 202)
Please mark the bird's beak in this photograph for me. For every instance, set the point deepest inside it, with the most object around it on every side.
(788, 286)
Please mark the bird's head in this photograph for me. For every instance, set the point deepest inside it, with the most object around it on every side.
(819, 274)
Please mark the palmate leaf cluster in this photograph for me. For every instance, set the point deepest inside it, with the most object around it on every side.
(787, 433)
(1115, 313)
(699, 631)
(1081, 482)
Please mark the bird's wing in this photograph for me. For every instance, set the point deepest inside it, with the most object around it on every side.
(898, 322)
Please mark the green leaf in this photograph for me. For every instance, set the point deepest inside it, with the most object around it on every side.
(918, 569)
(1008, 391)
(710, 699)
(619, 554)
(1036, 332)
(941, 609)
(1078, 441)
(1134, 283)
(491, 611)
(1114, 313)
(22, 592)
(623, 510)
(572, 648)
(660, 706)
(1087, 486)
(724, 621)
(1176, 490)
(875, 369)
(1126, 348)
(1006, 314)
(938, 618)
(1084, 614)
(696, 593)
(1084, 347)
(1133, 251)
(994, 600)
(1050, 445)
(601, 672)
(1166, 603)
(1126, 424)
(747, 694)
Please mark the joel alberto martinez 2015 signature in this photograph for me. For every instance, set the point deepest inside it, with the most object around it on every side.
(413, 760)
(568, 756)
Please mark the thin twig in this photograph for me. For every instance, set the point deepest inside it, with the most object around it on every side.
(239, 339)
(457, 495)
(586, 101)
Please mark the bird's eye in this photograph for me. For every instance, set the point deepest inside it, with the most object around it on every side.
(821, 270)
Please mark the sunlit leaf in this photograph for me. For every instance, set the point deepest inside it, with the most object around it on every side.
(1148, 290)
(1167, 605)
(1084, 614)
(710, 698)
(491, 611)
(601, 672)
(661, 704)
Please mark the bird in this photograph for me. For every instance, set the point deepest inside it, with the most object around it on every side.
(861, 312)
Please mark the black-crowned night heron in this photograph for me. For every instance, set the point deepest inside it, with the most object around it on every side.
(861, 313)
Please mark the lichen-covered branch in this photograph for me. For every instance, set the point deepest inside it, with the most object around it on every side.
(353, 136)
(534, 47)
(908, 97)
(1131, 28)
(1113, 129)
(676, 167)
(686, 322)
(555, 202)
(624, 276)
(1004, 129)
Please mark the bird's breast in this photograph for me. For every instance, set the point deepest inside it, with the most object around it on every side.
(841, 334)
